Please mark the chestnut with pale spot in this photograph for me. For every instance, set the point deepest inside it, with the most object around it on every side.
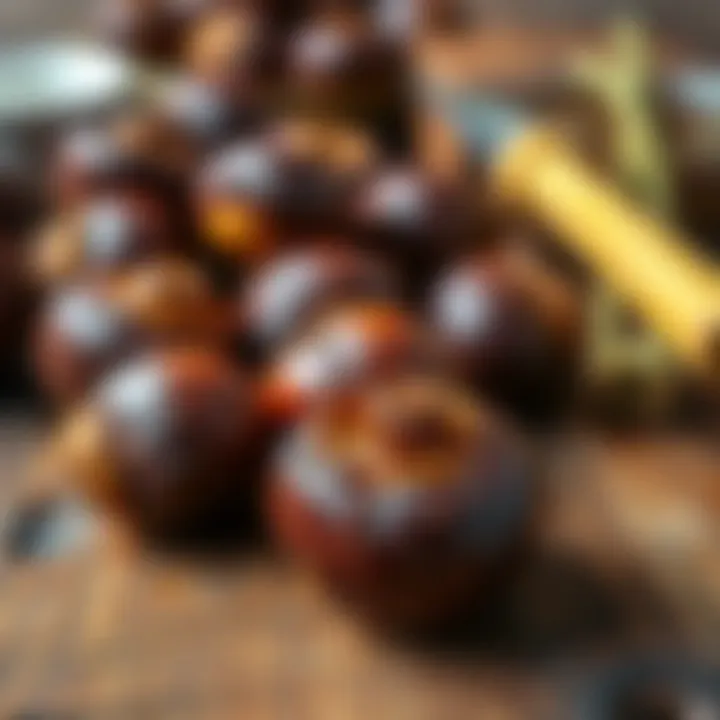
(417, 221)
(141, 154)
(293, 179)
(163, 442)
(338, 64)
(509, 326)
(87, 328)
(105, 236)
(233, 50)
(405, 502)
(290, 291)
(148, 30)
(204, 114)
(346, 351)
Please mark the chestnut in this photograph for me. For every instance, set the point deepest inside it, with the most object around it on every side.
(510, 326)
(204, 114)
(417, 221)
(293, 179)
(106, 235)
(233, 50)
(152, 30)
(346, 350)
(15, 298)
(20, 201)
(290, 291)
(87, 328)
(140, 153)
(163, 442)
(406, 502)
(339, 65)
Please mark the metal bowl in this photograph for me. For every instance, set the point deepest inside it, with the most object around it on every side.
(46, 81)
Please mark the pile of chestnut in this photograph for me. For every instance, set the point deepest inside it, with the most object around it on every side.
(249, 287)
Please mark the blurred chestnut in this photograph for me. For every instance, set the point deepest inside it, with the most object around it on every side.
(233, 50)
(87, 328)
(511, 326)
(293, 179)
(339, 65)
(290, 291)
(405, 502)
(106, 235)
(153, 30)
(204, 115)
(140, 154)
(342, 353)
(20, 201)
(415, 220)
(163, 442)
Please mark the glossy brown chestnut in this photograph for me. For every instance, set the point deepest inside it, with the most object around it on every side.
(163, 440)
(289, 292)
(232, 50)
(15, 297)
(404, 502)
(104, 236)
(87, 328)
(510, 326)
(204, 115)
(293, 179)
(415, 220)
(153, 30)
(346, 350)
(339, 65)
(139, 154)
(20, 201)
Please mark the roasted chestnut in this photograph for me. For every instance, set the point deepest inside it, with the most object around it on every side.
(85, 329)
(406, 502)
(153, 30)
(415, 220)
(294, 179)
(511, 327)
(106, 235)
(294, 288)
(339, 65)
(346, 350)
(163, 441)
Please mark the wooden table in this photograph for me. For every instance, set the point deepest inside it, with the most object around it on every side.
(97, 634)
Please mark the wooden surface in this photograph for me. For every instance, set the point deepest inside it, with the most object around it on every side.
(98, 633)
